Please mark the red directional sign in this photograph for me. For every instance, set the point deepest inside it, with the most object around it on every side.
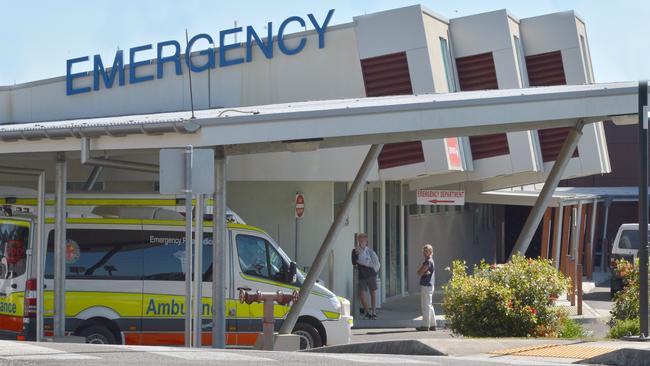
(440, 197)
(300, 205)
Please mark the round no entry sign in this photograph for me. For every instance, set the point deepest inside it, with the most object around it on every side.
(300, 205)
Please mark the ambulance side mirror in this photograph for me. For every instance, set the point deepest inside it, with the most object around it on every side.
(290, 274)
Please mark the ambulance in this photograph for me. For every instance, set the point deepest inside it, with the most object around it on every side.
(125, 265)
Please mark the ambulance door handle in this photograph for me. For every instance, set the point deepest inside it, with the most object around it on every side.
(13, 285)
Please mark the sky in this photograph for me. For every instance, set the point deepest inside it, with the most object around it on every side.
(37, 37)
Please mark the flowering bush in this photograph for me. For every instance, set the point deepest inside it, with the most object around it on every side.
(514, 299)
(625, 312)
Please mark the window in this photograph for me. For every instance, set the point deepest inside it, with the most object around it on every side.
(257, 257)
(585, 59)
(520, 62)
(14, 238)
(164, 255)
(446, 60)
(99, 254)
(630, 239)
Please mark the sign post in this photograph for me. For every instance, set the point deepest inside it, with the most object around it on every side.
(643, 209)
(177, 175)
(300, 213)
(440, 197)
(188, 245)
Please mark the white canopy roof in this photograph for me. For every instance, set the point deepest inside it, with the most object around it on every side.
(334, 123)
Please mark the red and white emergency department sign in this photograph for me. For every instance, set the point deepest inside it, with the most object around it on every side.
(453, 153)
(437, 197)
(300, 206)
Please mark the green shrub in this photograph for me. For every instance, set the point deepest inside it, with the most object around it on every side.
(570, 329)
(514, 299)
(626, 301)
(625, 312)
(622, 328)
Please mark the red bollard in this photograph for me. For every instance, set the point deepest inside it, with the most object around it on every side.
(268, 298)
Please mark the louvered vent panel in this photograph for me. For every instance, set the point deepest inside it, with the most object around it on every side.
(389, 75)
(478, 72)
(547, 69)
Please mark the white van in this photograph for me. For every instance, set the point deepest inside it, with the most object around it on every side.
(125, 279)
(625, 246)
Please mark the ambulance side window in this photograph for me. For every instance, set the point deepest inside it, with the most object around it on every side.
(257, 257)
(99, 254)
(164, 256)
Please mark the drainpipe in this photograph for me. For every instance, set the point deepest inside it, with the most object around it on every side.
(545, 196)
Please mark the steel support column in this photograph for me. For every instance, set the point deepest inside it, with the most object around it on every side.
(577, 255)
(592, 232)
(197, 308)
(402, 241)
(545, 196)
(558, 236)
(219, 251)
(59, 246)
(328, 243)
(382, 243)
(188, 246)
(40, 258)
(603, 242)
(643, 208)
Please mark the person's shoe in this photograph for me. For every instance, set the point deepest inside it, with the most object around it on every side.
(420, 329)
(367, 316)
(433, 327)
(373, 316)
(362, 311)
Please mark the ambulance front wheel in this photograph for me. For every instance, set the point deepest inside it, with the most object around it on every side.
(97, 334)
(309, 335)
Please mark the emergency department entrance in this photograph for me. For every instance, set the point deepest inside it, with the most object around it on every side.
(306, 121)
(384, 222)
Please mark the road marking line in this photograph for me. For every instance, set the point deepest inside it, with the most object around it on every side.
(198, 354)
(363, 358)
(26, 351)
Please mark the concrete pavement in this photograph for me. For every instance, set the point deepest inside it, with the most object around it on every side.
(27, 353)
(469, 352)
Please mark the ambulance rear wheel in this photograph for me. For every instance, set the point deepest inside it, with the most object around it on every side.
(309, 336)
(97, 334)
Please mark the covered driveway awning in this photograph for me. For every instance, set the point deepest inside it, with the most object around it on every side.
(334, 123)
(303, 127)
(526, 196)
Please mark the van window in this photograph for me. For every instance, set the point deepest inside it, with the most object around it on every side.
(165, 256)
(99, 254)
(257, 257)
(14, 239)
(630, 239)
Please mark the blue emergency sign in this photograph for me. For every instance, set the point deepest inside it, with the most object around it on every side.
(106, 76)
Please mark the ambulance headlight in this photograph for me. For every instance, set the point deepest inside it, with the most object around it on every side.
(345, 306)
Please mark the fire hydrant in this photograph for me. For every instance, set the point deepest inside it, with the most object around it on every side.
(268, 298)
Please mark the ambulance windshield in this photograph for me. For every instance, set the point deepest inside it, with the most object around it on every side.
(14, 238)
